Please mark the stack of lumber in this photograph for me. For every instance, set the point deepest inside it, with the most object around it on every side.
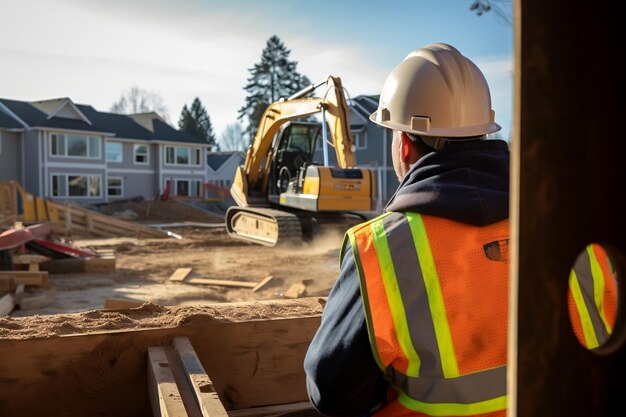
(13, 285)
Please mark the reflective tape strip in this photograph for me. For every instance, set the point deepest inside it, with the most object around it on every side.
(478, 393)
(598, 288)
(394, 297)
(583, 314)
(594, 328)
(413, 290)
(435, 298)
(366, 305)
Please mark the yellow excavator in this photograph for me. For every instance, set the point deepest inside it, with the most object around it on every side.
(282, 194)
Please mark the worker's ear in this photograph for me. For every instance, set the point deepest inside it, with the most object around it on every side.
(408, 153)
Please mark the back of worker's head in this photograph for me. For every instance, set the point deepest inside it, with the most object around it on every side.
(438, 94)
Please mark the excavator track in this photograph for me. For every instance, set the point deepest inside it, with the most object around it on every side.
(263, 226)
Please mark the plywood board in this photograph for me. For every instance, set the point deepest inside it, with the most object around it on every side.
(180, 274)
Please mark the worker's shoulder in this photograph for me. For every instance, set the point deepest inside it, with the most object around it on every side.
(377, 218)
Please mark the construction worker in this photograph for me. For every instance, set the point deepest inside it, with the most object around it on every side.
(592, 297)
(416, 323)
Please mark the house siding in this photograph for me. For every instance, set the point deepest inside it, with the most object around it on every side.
(32, 162)
(135, 185)
(10, 150)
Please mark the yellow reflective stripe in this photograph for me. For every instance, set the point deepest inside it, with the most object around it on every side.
(435, 298)
(589, 333)
(598, 286)
(454, 409)
(396, 305)
(366, 301)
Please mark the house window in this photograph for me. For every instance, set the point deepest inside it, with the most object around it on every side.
(188, 188)
(75, 146)
(115, 187)
(76, 186)
(114, 151)
(361, 140)
(141, 154)
(181, 155)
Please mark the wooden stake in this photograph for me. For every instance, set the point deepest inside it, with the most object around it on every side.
(262, 283)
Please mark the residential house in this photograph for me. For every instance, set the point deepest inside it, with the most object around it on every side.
(71, 152)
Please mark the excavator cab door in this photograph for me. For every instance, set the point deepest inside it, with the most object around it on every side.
(294, 148)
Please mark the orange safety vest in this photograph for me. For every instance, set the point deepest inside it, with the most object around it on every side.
(435, 294)
(592, 297)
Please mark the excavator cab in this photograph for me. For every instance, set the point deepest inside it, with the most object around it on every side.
(294, 150)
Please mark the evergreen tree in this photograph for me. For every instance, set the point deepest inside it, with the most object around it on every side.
(196, 121)
(273, 78)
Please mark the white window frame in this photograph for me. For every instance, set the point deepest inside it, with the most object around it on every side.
(67, 185)
(174, 191)
(107, 152)
(64, 153)
(121, 187)
(362, 135)
(190, 151)
(135, 146)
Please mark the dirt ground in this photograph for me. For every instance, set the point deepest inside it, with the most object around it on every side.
(143, 266)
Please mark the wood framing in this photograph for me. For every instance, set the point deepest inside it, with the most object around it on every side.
(165, 397)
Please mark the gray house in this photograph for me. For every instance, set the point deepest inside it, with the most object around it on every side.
(71, 152)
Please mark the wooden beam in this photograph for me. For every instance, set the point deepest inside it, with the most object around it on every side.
(263, 283)
(10, 279)
(220, 282)
(180, 274)
(201, 384)
(165, 397)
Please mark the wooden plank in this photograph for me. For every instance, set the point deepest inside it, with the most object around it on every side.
(201, 384)
(220, 282)
(273, 410)
(165, 397)
(6, 304)
(10, 279)
(91, 264)
(110, 303)
(263, 283)
(186, 392)
(180, 274)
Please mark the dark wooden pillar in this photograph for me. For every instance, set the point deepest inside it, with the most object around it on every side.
(569, 171)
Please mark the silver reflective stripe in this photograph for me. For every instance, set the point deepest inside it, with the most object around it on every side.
(585, 278)
(465, 389)
(413, 291)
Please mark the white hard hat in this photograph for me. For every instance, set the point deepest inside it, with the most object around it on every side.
(436, 91)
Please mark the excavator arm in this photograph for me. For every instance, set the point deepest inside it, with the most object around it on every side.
(334, 107)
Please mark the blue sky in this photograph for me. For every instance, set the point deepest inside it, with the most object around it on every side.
(93, 50)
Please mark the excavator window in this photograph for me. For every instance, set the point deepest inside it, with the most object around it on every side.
(296, 146)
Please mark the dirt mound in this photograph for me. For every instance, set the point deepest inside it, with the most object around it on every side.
(157, 211)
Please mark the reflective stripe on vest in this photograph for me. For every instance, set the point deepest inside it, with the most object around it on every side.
(406, 314)
(588, 288)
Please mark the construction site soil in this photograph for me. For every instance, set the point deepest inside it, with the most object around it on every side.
(144, 267)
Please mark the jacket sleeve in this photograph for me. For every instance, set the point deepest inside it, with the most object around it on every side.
(342, 377)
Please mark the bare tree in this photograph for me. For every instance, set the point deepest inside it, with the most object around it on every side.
(138, 100)
(233, 138)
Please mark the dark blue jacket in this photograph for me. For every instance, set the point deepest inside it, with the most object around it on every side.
(466, 182)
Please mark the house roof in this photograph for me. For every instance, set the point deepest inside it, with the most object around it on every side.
(122, 126)
(365, 105)
(216, 159)
(7, 122)
(58, 114)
